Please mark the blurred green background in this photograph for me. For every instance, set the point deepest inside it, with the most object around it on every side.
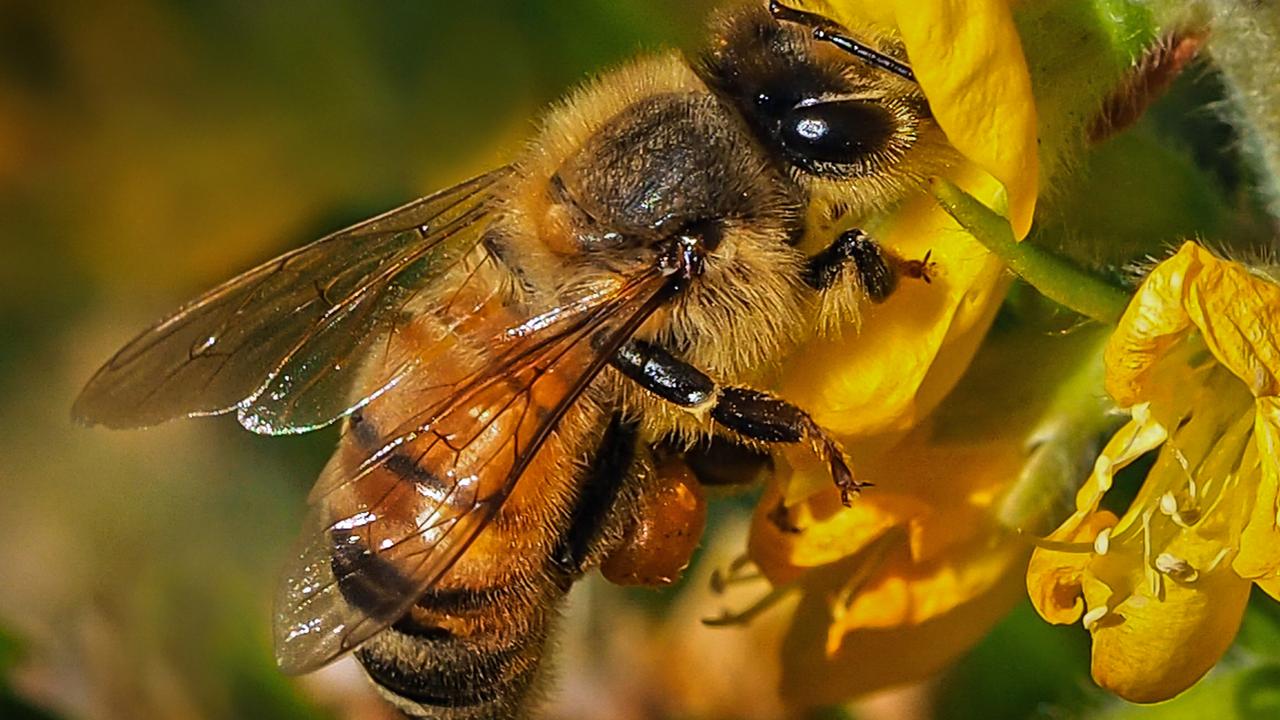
(150, 148)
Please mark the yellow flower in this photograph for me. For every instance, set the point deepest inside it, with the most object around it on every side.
(968, 59)
(911, 350)
(1195, 361)
(921, 566)
(924, 563)
(909, 577)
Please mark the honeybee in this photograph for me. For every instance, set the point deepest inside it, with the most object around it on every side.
(520, 361)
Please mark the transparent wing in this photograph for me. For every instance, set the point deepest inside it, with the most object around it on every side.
(400, 502)
(281, 343)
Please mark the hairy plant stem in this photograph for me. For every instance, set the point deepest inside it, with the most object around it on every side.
(1052, 275)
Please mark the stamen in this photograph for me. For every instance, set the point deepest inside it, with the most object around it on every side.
(746, 615)
(1176, 568)
(1102, 543)
(1181, 457)
(1146, 536)
(1058, 545)
(1091, 618)
(740, 570)
(876, 553)
(1103, 469)
(1153, 578)
(1183, 518)
(1217, 559)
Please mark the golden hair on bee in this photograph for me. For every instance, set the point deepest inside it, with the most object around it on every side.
(528, 365)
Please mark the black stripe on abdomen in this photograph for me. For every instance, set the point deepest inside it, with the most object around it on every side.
(458, 676)
(397, 461)
(455, 676)
(367, 582)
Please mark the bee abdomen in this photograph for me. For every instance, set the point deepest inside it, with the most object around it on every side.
(472, 651)
(462, 654)
(463, 685)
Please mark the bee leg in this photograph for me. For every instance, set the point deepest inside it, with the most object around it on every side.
(761, 416)
(664, 526)
(878, 269)
(750, 413)
(590, 531)
(637, 516)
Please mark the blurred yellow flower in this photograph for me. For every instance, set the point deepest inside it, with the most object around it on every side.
(924, 563)
(913, 574)
(1162, 588)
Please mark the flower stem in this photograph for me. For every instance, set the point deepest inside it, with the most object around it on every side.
(1054, 276)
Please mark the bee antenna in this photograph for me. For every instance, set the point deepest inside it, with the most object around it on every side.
(827, 30)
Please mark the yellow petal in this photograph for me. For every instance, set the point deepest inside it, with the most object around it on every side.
(1150, 326)
(1259, 557)
(911, 349)
(1055, 577)
(819, 531)
(1237, 313)
(1270, 587)
(1138, 437)
(872, 659)
(1150, 647)
(905, 592)
(936, 489)
(968, 59)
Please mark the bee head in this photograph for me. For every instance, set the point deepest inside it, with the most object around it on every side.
(839, 114)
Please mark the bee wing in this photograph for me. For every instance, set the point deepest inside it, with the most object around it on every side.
(394, 510)
(281, 343)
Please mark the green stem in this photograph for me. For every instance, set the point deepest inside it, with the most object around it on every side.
(1055, 277)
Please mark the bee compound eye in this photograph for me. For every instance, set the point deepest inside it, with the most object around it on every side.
(838, 132)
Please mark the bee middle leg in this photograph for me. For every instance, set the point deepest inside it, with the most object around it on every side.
(878, 269)
(751, 413)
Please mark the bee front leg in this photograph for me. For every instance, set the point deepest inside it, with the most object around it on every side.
(878, 269)
(753, 414)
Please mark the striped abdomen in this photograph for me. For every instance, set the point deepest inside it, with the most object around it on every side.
(472, 644)
(465, 654)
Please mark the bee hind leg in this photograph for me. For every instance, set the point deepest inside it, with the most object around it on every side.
(878, 269)
(664, 526)
(752, 414)
(638, 516)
